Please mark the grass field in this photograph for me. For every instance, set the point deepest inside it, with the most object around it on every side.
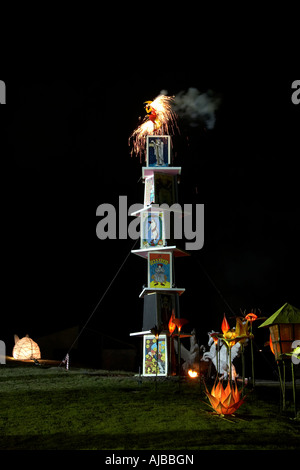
(50, 408)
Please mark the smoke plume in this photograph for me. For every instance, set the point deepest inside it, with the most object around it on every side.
(197, 108)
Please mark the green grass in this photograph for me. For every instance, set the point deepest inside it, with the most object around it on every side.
(51, 408)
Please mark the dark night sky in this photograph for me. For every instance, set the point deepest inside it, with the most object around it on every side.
(69, 151)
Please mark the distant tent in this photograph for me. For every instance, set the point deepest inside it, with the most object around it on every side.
(89, 348)
(25, 348)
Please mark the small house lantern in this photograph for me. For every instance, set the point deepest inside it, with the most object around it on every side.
(284, 327)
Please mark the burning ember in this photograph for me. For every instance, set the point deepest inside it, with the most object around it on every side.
(193, 373)
(225, 401)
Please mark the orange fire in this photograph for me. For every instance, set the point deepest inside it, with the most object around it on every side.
(225, 401)
(160, 118)
(193, 373)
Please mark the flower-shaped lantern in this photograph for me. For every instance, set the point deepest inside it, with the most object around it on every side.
(179, 322)
(171, 324)
(225, 401)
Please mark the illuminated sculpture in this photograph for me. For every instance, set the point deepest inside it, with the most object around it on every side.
(225, 401)
(220, 358)
(25, 348)
(160, 294)
(226, 346)
(152, 114)
(160, 116)
(284, 327)
(190, 357)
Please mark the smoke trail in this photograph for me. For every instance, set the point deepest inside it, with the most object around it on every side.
(197, 108)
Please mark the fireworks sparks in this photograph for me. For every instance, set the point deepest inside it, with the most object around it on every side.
(192, 108)
(160, 120)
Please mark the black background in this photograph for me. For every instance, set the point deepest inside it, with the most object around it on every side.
(68, 152)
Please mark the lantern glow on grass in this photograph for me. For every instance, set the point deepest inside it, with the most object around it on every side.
(25, 349)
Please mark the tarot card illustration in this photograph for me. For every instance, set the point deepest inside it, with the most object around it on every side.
(158, 150)
(160, 270)
(154, 363)
(149, 191)
(152, 229)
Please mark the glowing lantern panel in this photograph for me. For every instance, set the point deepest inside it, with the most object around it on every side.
(271, 345)
(282, 337)
(25, 348)
(284, 327)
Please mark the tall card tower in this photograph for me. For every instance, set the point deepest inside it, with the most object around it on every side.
(160, 293)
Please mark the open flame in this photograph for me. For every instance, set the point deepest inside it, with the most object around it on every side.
(224, 401)
(193, 373)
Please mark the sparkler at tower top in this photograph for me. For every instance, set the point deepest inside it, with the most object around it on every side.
(159, 120)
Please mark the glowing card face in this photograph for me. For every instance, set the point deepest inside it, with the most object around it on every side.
(152, 229)
(154, 363)
(158, 150)
(160, 270)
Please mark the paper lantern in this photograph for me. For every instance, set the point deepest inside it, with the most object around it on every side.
(284, 328)
(25, 348)
(282, 338)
